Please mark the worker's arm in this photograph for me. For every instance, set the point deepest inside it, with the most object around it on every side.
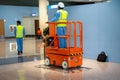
(15, 31)
(24, 31)
(56, 17)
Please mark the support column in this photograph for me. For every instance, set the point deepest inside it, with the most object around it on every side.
(43, 15)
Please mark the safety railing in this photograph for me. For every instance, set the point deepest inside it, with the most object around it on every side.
(74, 33)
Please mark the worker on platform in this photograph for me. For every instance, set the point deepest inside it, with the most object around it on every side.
(61, 16)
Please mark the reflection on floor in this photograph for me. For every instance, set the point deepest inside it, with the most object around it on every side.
(36, 70)
(31, 51)
(19, 59)
(31, 66)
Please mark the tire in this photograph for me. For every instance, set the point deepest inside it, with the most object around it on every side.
(64, 65)
(47, 61)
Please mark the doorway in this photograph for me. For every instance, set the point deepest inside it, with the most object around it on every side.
(36, 26)
(2, 33)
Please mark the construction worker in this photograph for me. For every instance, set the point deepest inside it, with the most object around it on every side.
(39, 33)
(61, 16)
(19, 32)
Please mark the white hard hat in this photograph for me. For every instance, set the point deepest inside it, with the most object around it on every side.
(61, 4)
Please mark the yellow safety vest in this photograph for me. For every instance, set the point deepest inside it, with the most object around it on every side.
(19, 31)
(62, 18)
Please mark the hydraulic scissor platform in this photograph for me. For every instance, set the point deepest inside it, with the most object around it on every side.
(68, 57)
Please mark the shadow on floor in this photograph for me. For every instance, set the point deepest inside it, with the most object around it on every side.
(18, 59)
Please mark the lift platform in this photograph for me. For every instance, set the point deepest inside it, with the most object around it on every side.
(68, 57)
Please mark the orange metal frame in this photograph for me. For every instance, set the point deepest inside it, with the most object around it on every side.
(73, 55)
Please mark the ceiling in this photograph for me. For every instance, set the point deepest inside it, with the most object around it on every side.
(19, 2)
(35, 2)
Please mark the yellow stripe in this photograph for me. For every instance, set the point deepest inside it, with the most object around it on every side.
(75, 54)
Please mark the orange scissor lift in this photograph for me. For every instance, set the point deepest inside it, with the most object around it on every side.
(68, 57)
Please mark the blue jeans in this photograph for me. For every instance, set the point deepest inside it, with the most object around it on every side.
(19, 44)
(61, 31)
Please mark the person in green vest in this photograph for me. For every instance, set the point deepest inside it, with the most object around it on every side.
(61, 16)
(19, 32)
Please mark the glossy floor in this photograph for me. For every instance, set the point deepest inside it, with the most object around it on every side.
(34, 68)
(31, 50)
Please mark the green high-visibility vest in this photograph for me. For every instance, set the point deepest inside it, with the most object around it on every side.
(62, 18)
(19, 31)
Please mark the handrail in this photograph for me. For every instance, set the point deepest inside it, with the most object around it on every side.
(70, 24)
